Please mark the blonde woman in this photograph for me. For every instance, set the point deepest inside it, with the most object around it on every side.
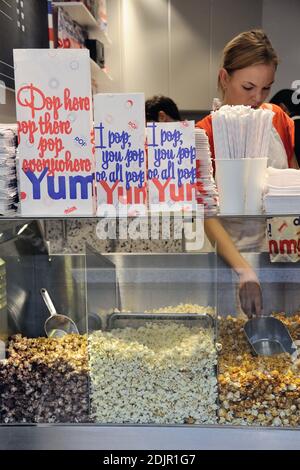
(247, 73)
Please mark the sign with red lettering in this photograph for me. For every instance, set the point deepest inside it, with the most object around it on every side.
(120, 149)
(54, 112)
(171, 165)
(283, 235)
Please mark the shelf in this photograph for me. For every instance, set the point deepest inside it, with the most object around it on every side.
(81, 14)
(96, 72)
(187, 218)
(97, 33)
(78, 12)
(99, 437)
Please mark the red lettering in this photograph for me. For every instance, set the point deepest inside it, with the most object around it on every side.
(127, 198)
(88, 165)
(25, 165)
(71, 209)
(190, 187)
(273, 247)
(161, 188)
(39, 165)
(52, 145)
(58, 165)
(109, 191)
(68, 160)
(61, 165)
(288, 246)
(33, 98)
(77, 103)
(140, 195)
(27, 127)
(46, 126)
(180, 195)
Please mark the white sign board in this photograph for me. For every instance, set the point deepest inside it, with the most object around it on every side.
(120, 150)
(171, 165)
(54, 112)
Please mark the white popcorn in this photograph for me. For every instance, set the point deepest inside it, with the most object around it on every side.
(184, 308)
(160, 373)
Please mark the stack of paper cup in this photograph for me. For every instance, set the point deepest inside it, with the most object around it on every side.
(256, 180)
(231, 177)
(240, 184)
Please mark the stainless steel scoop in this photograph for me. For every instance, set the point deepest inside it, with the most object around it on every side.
(268, 336)
(56, 325)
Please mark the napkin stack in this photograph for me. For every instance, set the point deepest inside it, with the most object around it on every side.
(282, 194)
(8, 175)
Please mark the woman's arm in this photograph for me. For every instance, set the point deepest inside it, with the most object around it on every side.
(249, 288)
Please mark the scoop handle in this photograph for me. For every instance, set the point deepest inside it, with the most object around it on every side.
(47, 299)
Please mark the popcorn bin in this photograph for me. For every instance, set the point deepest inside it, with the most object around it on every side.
(160, 342)
(168, 363)
(160, 368)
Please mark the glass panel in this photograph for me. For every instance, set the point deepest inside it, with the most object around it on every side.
(254, 389)
(70, 236)
(151, 324)
(158, 368)
(43, 379)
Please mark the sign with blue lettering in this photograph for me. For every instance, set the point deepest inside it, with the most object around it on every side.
(120, 149)
(54, 112)
(171, 165)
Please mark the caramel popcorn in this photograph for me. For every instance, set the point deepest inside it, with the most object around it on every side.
(256, 390)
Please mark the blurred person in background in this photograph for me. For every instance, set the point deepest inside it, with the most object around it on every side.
(161, 108)
(284, 99)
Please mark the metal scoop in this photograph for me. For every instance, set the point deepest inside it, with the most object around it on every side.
(268, 336)
(56, 325)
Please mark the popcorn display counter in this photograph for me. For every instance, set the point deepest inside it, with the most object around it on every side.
(161, 360)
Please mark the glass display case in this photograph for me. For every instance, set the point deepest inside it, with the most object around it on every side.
(160, 356)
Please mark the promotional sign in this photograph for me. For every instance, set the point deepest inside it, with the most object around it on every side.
(54, 112)
(171, 164)
(120, 150)
(284, 239)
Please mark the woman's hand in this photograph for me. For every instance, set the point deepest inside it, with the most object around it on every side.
(249, 287)
(250, 293)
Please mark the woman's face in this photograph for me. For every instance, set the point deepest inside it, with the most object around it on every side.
(249, 86)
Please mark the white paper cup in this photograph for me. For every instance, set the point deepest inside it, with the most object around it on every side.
(231, 178)
(257, 170)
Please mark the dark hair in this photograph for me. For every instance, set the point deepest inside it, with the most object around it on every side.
(161, 103)
(285, 96)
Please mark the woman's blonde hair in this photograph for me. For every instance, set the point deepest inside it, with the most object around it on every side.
(248, 48)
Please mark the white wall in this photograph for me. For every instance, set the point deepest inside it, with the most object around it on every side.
(145, 45)
(281, 21)
(189, 49)
(173, 47)
(229, 18)
(113, 51)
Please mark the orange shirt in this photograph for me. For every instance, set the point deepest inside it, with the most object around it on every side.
(283, 124)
